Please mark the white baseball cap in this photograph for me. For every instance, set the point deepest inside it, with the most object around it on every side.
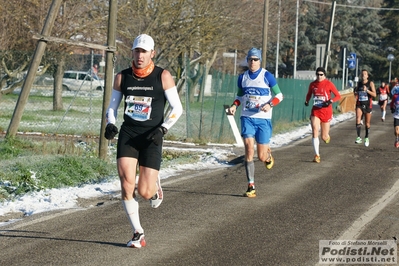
(143, 41)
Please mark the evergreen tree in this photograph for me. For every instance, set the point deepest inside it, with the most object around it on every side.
(391, 22)
(362, 33)
(313, 30)
(357, 26)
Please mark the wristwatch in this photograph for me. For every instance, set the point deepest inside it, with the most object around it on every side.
(271, 104)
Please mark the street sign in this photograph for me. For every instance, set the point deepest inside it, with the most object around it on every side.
(352, 61)
(229, 54)
(351, 64)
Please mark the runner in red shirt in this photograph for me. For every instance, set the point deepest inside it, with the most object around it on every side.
(322, 111)
(383, 93)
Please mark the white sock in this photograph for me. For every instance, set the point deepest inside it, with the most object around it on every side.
(316, 144)
(132, 210)
(383, 114)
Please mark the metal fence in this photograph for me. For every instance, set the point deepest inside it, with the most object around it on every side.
(203, 119)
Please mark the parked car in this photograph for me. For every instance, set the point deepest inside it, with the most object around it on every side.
(80, 80)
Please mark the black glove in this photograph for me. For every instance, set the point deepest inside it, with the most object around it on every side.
(392, 110)
(307, 103)
(326, 103)
(110, 131)
(157, 135)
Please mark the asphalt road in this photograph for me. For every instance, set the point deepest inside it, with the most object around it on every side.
(204, 220)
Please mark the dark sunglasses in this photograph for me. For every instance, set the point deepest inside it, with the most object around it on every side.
(320, 74)
(253, 59)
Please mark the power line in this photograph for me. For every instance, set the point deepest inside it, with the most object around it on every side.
(359, 7)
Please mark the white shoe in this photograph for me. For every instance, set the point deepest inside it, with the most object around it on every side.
(137, 241)
(366, 142)
(157, 199)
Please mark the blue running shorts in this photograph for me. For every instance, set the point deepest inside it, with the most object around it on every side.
(259, 128)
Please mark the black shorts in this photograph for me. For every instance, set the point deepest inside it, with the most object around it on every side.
(395, 122)
(365, 108)
(135, 145)
(382, 102)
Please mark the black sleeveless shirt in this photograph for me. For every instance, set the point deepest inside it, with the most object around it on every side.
(144, 100)
(363, 97)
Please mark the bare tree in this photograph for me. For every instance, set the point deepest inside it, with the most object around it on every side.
(77, 20)
(15, 45)
(80, 21)
(202, 29)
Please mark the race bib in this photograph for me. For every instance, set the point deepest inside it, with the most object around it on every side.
(363, 97)
(318, 100)
(383, 97)
(253, 103)
(138, 107)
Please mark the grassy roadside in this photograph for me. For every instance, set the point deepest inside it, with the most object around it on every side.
(60, 162)
(33, 165)
(30, 165)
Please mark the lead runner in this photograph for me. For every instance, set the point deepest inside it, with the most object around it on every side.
(145, 88)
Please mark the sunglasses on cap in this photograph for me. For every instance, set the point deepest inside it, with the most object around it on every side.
(253, 59)
(320, 74)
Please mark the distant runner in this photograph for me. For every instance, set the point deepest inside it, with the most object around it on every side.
(322, 111)
(364, 94)
(395, 111)
(383, 93)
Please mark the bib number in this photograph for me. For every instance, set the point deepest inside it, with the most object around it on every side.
(363, 96)
(252, 103)
(138, 108)
(318, 100)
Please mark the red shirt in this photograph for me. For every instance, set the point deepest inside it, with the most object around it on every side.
(321, 91)
(383, 92)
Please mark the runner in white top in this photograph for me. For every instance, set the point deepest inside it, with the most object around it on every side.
(258, 92)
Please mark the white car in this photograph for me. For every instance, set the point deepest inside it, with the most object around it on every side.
(80, 80)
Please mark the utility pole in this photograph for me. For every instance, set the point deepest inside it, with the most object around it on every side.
(265, 24)
(343, 68)
(278, 38)
(327, 53)
(296, 37)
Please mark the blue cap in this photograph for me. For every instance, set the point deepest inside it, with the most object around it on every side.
(254, 52)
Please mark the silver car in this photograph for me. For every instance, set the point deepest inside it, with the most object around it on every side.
(80, 80)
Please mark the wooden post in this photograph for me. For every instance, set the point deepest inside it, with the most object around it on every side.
(265, 27)
(109, 74)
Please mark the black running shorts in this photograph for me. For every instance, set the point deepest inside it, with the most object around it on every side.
(365, 108)
(135, 145)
